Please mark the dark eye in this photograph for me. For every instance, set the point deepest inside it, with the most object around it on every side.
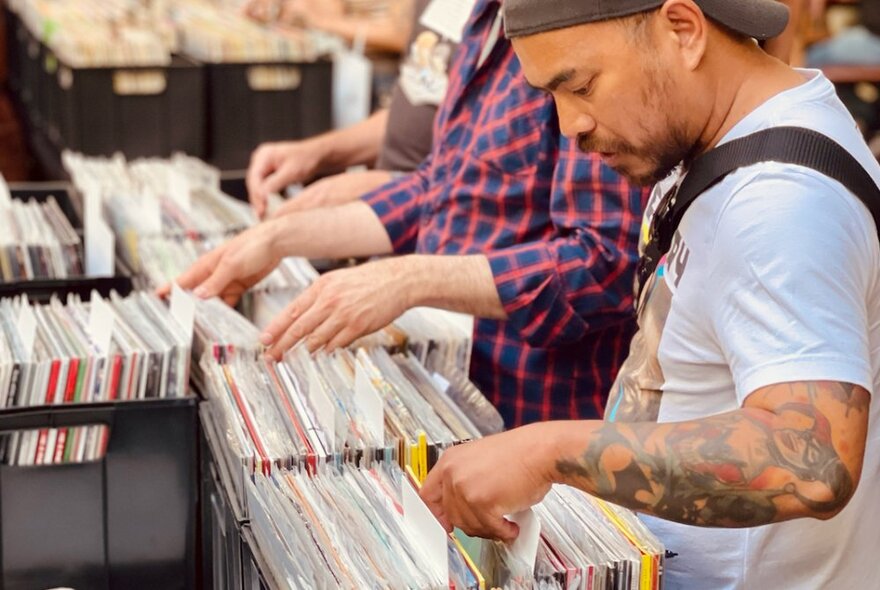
(584, 91)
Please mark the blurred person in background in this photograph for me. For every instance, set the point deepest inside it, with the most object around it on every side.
(857, 45)
(384, 24)
(391, 141)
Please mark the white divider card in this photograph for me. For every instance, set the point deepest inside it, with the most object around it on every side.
(425, 533)
(448, 17)
(179, 188)
(325, 410)
(183, 310)
(370, 404)
(441, 382)
(27, 328)
(525, 547)
(149, 213)
(101, 322)
(5, 195)
(100, 242)
(100, 249)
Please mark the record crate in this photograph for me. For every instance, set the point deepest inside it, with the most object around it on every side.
(42, 290)
(231, 559)
(128, 520)
(249, 104)
(257, 574)
(24, 53)
(141, 111)
(222, 517)
(12, 46)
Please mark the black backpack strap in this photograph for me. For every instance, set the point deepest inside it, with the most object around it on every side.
(786, 145)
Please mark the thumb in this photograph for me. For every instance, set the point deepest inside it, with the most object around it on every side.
(258, 203)
(277, 181)
(507, 531)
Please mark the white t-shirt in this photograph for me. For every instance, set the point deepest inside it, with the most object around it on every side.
(774, 277)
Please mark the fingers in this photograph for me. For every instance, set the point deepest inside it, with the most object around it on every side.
(343, 338)
(163, 291)
(259, 203)
(216, 282)
(310, 198)
(200, 271)
(432, 495)
(260, 165)
(454, 504)
(303, 320)
(277, 181)
(278, 326)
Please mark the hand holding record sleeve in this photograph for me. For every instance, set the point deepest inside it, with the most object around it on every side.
(342, 306)
(475, 484)
(230, 269)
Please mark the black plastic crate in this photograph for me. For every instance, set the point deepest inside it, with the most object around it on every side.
(126, 521)
(221, 517)
(98, 112)
(256, 574)
(242, 114)
(13, 54)
(30, 52)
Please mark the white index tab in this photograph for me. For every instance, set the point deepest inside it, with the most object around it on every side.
(183, 310)
(179, 189)
(100, 242)
(101, 322)
(425, 532)
(325, 411)
(525, 547)
(370, 404)
(27, 328)
(5, 195)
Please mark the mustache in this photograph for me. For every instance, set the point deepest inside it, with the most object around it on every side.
(593, 144)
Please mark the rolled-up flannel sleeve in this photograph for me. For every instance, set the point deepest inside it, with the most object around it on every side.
(398, 205)
(581, 277)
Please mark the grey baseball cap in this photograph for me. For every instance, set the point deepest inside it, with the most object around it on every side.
(761, 19)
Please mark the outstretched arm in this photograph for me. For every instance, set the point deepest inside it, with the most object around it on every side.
(792, 451)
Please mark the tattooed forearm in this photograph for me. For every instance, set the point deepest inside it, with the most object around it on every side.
(794, 451)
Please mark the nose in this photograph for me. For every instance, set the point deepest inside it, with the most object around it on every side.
(573, 120)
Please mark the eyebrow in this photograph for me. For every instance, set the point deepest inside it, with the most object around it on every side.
(559, 79)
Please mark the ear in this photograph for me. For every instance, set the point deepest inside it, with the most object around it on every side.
(688, 27)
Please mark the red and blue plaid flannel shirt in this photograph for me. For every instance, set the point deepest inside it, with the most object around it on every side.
(559, 228)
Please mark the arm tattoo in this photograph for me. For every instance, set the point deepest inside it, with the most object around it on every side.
(744, 468)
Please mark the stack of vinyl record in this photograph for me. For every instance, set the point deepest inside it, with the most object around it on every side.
(38, 242)
(76, 352)
(358, 406)
(216, 35)
(350, 527)
(100, 33)
(167, 213)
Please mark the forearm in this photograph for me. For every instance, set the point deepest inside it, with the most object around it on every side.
(456, 283)
(346, 231)
(745, 468)
(358, 145)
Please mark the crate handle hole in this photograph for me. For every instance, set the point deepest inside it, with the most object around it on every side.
(140, 83)
(273, 78)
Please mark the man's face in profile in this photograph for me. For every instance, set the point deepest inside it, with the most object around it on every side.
(614, 92)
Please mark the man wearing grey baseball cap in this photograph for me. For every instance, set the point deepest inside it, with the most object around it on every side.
(742, 424)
